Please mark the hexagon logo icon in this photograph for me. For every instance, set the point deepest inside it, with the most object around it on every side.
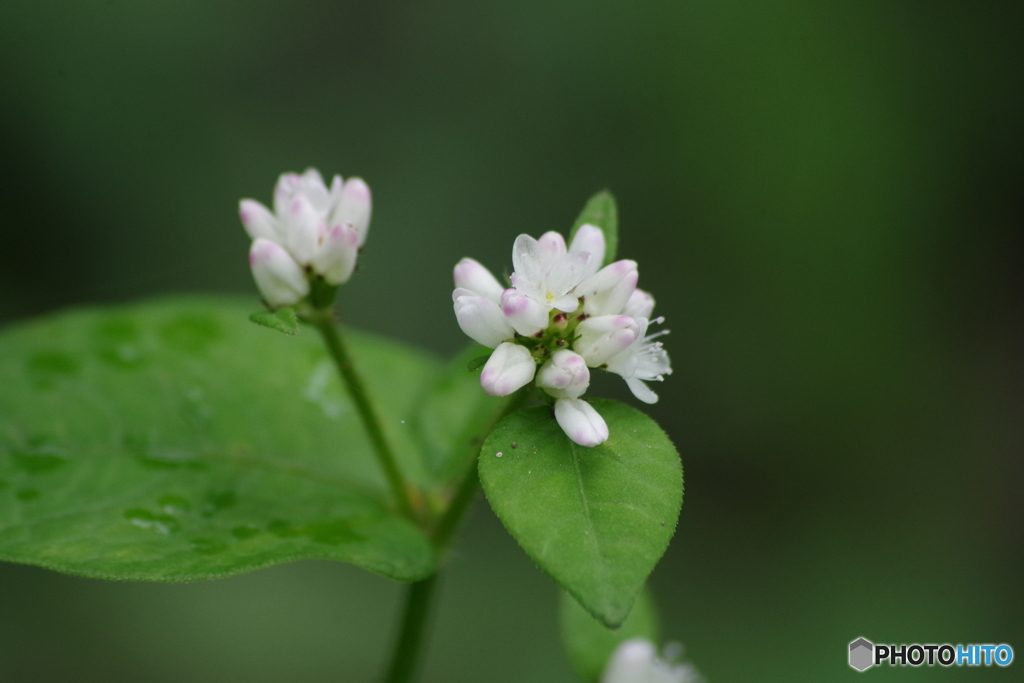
(861, 654)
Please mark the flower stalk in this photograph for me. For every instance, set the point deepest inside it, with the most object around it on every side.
(323, 320)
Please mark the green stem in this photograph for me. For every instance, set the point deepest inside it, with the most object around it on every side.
(409, 646)
(411, 641)
(324, 321)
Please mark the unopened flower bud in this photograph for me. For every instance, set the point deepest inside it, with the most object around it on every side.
(565, 375)
(302, 226)
(607, 291)
(480, 318)
(527, 316)
(279, 278)
(604, 336)
(509, 368)
(470, 274)
(336, 258)
(581, 422)
(354, 207)
(258, 220)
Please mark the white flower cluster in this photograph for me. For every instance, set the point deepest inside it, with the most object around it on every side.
(563, 315)
(314, 231)
(636, 661)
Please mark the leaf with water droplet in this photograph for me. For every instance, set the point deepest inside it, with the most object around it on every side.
(175, 442)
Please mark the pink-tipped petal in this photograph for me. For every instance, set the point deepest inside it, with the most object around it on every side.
(581, 422)
(258, 220)
(481, 319)
(601, 338)
(279, 278)
(354, 206)
(526, 316)
(509, 368)
(336, 258)
(607, 291)
(564, 375)
(472, 275)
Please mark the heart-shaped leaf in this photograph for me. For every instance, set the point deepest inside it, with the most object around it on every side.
(596, 519)
(174, 440)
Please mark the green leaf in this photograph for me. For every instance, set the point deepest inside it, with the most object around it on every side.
(454, 417)
(172, 440)
(601, 211)
(596, 519)
(589, 645)
(282, 320)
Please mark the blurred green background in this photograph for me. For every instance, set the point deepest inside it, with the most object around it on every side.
(825, 198)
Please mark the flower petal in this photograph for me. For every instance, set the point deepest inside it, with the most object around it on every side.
(590, 238)
(640, 304)
(355, 207)
(472, 275)
(481, 319)
(607, 291)
(564, 375)
(279, 278)
(336, 257)
(581, 422)
(526, 315)
(258, 220)
(603, 337)
(509, 368)
(302, 225)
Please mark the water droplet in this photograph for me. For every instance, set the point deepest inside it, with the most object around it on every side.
(165, 524)
(498, 454)
(157, 458)
(515, 444)
(118, 344)
(208, 546)
(40, 461)
(25, 495)
(217, 501)
(245, 531)
(192, 333)
(174, 505)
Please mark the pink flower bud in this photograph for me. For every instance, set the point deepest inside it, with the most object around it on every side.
(470, 274)
(581, 422)
(509, 368)
(524, 314)
(480, 318)
(564, 375)
(279, 278)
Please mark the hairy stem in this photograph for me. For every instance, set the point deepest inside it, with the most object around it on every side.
(324, 321)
